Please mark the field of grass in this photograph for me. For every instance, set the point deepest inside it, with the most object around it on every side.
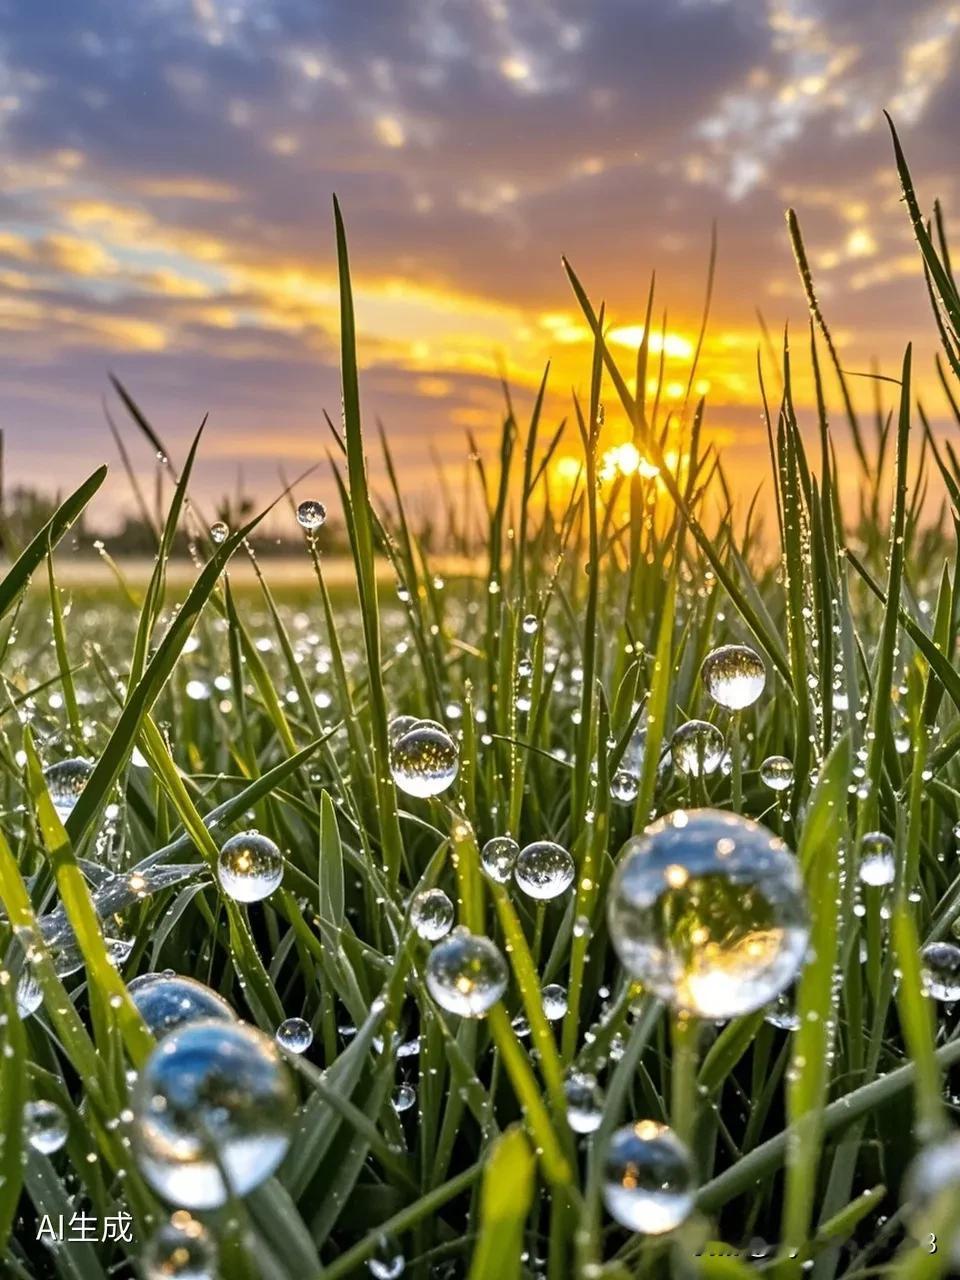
(430, 1145)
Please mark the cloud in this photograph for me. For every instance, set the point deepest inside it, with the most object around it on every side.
(167, 168)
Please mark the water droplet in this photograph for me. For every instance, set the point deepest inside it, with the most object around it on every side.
(182, 1249)
(877, 863)
(212, 1095)
(250, 867)
(781, 1013)
(65, 780)
(530, 624)
(733, 676)
(431, 914)
(44, 1126)
(387, 1261)
(295, 1035)
(466, 974)
(167, 1001)
(404, 1097)
(554, 999)
(400, 725)
(648, 1178)
(311, 514)
(624, 786)
(697, 748)
(707, 909)
(584, 1102)
(544, 870)
(941, 970)
(219, 531)
(498, 856)
(776, 772)
(425, 760)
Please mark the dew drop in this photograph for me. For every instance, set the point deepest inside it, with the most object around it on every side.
(250, 867)
(431, 914)
(498, 856)
(776, 772)
(733, 676)
(44, 1126)
(295, 1035)
(424, 760)
(544, 870)
(584, 1102)
(65, 780)
(466, 974)
(219, 531)
(877, 863)
(697, 748)
(182, 1249)
(311, 514)
(941, 970)
(648, 1178)
(167, 1001)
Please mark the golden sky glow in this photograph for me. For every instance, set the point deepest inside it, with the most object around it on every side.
(167, 176)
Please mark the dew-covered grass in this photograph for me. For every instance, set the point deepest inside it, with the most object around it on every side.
(780, 1099)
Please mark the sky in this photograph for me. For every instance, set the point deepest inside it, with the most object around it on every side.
(165, 211)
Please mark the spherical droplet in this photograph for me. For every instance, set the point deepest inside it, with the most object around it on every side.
(219, 531)
(424, 761)
(498, 856)
(941, 970)
(554, 1000)
(733, 676)
(544, 870)
(65, 780)
(250, 867)
(707, 909)
(431, 914)
(182, 1249)
(387, 1261)
(295, 1035)
(466, 974)
(648, 1178)
(781, 1013)
(400, 725)
(584, 1102)
(44, 1126)
(404, 1097)
(311, 514)
(697, 748)
(530, 624)
(624, 786)
(877, 862)
(167, 1001)
(776, 772)
(211, 1096)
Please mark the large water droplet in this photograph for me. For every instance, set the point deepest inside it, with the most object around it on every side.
(530, 624)
(211, 1096)
(44, 1126)
(466, 974)
(65, 780)
(733, 676)
(877, 862)
(584, 1102)
(648, 1178)
(295, 1035)
(219, 531)
(697, 748)
(250, 867)
(167, 1001)
(387, 1261)
(941, 970)
(554, 1000)
(404, 1097)
(182, 1249)
(544, 870)
(707, 909)
(498, 856)
(431, 914)
(624, 786)
(424, 761)
(776, 772)
(311, 514)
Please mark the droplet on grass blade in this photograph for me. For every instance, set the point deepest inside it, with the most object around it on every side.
(941, 970)
(167, 1001)
(544, 870)
(733, 676)
(311, 514)
(776, 772)
(554, 1000)
(425, 760)
(498, 856)
(219, 531)
(431, 914)
(707, 909)
(250, 867)
(44, 1126)
(697, 748)
(877, 863)
(295, 1035)
(466, 974)
(648, 1178)
(211, 1096)
(584, 1102)
(387, 1261)
(65, 780)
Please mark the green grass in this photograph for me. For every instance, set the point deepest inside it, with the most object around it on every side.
(226, 709)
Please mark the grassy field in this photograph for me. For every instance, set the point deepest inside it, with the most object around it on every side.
(428, 1144)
